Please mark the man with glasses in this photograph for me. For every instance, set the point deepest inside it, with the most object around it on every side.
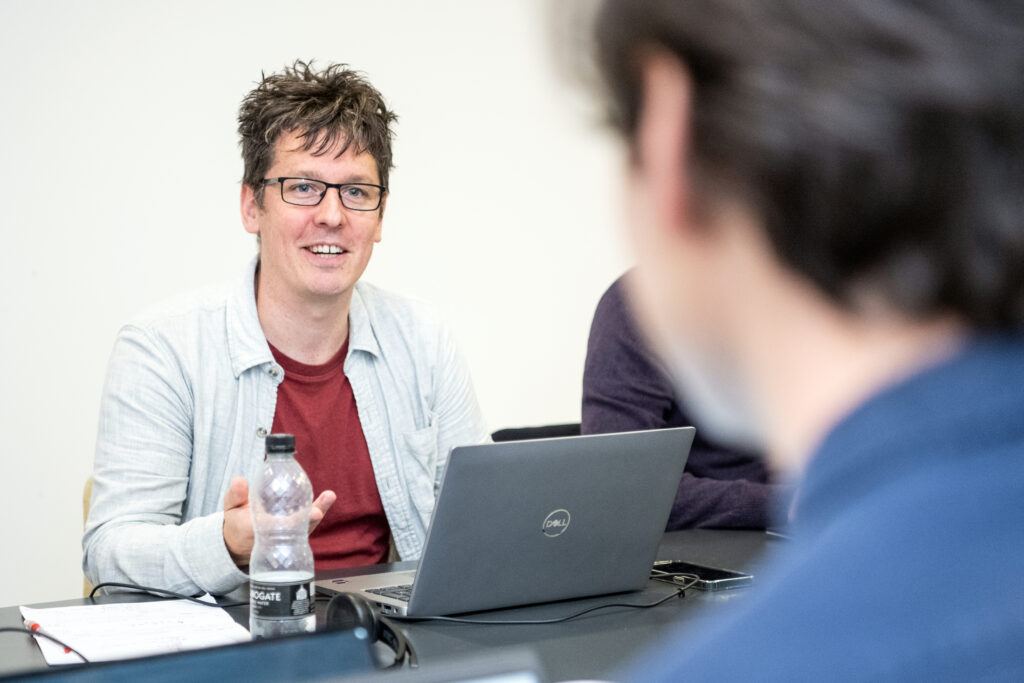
(370, 383)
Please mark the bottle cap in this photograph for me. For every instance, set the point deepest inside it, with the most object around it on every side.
(280, 443)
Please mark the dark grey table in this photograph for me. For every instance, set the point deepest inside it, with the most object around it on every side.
(592, 646)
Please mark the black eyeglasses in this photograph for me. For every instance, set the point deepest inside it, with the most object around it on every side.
(308, 192)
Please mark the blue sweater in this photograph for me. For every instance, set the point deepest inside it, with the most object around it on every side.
(908, 555)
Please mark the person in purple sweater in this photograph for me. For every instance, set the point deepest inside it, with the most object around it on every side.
(625, 388)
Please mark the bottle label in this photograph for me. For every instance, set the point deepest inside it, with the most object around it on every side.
(275, 600)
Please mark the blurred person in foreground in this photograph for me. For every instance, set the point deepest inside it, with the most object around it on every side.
(828, 216)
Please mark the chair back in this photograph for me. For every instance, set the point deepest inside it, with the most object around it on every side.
(86, 500)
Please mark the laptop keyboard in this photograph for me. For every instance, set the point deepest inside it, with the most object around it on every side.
(402, 592)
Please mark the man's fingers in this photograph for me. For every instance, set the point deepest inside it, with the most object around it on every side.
(237, 494)
(237, 523)
(321, 505)
(325, 500)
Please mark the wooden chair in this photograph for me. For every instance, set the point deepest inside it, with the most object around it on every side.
(86, 499)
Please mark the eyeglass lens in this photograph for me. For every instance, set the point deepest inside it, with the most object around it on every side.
(354, 196)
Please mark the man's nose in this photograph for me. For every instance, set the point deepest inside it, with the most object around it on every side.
(330, 211)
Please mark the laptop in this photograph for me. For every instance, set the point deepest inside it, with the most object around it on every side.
(524, 522)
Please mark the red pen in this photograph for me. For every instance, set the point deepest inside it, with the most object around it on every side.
(34, 626)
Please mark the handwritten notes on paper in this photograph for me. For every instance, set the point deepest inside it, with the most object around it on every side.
(132, 629)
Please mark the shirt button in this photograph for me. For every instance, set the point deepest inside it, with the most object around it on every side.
(261, 433)
(274, 371)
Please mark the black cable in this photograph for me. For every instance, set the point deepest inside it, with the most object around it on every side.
(160, 592)
(679, 592)
(40, 634)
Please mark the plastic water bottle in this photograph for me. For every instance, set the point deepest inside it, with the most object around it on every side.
(281, 597)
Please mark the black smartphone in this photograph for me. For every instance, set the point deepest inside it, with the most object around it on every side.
(708, 578)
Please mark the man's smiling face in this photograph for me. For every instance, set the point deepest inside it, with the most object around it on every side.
(313, 253)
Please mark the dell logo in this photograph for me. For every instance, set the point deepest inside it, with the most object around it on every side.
(555, 523)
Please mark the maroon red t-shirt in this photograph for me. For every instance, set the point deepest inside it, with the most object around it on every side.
(316, 404)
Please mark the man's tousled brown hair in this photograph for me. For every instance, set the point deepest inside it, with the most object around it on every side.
(324, 107)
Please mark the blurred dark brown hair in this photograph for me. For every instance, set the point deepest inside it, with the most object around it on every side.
(880, 142)
(324, 107)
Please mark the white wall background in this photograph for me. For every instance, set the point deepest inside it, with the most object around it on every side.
(119, 186)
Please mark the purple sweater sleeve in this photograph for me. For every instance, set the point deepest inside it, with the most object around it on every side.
(625, 389)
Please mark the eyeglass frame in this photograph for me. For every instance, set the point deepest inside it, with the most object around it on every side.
(337, 186)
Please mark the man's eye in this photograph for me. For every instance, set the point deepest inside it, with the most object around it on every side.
(355, 192)
(304, 188)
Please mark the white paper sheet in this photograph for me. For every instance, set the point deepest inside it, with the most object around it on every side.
(132, 629)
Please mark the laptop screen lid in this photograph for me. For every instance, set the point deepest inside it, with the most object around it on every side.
(523, 522)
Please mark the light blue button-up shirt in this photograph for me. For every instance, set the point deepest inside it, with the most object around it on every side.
(190, 395)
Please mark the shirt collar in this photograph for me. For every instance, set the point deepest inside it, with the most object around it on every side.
(247, 344)
(361, 336)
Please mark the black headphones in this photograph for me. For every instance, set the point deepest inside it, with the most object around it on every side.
(348, 611)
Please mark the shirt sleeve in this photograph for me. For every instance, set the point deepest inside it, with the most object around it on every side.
(460, 421)
(134, 533)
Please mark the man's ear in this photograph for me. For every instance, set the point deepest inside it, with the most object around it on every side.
(663, 137)
(251, 211)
